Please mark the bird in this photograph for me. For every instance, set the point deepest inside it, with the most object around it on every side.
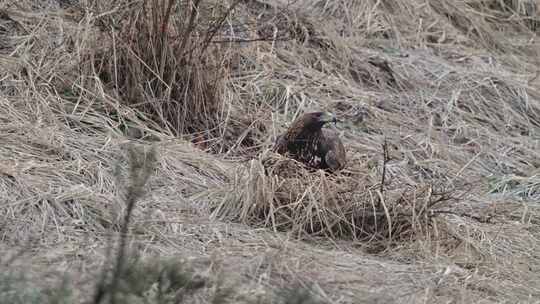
(307, 142)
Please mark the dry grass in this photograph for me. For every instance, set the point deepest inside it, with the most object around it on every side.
(357, 204)
(160, 62)
(446, 212)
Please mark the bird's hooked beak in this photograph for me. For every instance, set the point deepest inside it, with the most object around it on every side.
(329, 117)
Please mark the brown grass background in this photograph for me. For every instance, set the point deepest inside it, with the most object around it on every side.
(440, 97)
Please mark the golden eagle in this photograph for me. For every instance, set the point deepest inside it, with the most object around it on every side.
(306, 142)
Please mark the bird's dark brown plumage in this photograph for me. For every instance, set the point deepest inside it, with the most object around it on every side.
(307, 142)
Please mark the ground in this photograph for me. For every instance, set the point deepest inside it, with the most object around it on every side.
(439, 108)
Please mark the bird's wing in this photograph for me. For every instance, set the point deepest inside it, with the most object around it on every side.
(334, 151)
(280, 145)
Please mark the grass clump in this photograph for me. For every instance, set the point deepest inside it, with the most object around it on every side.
(357, 204)
(160, 61)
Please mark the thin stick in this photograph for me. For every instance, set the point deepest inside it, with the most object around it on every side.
(385, 161)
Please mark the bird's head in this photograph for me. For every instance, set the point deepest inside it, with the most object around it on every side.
(318, 119)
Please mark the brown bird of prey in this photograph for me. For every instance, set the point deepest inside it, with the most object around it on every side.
(307, 142)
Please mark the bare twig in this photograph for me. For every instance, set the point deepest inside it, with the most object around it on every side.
(386, 158)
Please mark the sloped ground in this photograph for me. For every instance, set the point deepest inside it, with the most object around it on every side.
(452, 87)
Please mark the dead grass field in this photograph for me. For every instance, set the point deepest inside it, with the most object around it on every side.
(439, 102)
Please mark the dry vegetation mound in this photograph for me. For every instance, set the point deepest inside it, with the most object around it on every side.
(281, 193)
(440, 108)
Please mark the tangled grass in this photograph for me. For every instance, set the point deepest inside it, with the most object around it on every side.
(161, 63)
(278, 192)
(440, 104)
